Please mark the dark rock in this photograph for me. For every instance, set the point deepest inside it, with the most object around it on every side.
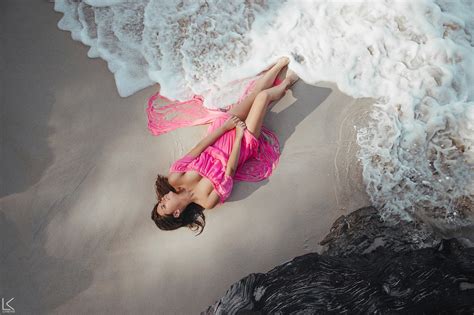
(367, 266)
(425, 281)
(363, 231)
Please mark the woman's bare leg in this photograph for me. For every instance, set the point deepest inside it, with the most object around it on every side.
(242, 109)
(260, 106)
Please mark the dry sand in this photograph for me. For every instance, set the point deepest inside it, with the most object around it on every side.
(78, 168)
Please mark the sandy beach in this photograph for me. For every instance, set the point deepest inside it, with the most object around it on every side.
(78, 169)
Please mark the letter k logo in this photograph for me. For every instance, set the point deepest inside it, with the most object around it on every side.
(6, 307)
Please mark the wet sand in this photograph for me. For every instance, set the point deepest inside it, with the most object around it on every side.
(78, 169)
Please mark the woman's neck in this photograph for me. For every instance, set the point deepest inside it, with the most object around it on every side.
(186, 194)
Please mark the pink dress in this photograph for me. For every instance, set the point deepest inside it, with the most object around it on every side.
(257, 159)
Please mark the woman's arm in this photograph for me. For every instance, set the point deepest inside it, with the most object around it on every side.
(206, 141)
(213, 136)
(212, 200)
(234, 155)
(233, 158)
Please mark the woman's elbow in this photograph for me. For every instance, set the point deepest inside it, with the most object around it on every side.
(212, 202)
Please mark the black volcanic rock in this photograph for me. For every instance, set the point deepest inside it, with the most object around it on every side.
(401, 276)
(363, 231)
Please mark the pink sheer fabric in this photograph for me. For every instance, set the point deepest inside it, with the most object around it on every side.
(258, 157)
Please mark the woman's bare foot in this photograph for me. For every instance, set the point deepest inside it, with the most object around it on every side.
(283, 61)
(291, 78)
(282, 74)
(280, 63)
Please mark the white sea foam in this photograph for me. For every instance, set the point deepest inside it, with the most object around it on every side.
(416, 58)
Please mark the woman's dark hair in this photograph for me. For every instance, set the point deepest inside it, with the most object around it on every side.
(192, 216)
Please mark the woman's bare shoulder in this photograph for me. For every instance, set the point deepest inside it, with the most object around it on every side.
(173, 177)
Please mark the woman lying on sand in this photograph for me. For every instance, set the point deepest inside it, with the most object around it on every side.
(204, 176)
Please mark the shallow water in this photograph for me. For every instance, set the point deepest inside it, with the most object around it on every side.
(416, 59)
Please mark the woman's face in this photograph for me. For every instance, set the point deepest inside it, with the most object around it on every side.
(169, 205)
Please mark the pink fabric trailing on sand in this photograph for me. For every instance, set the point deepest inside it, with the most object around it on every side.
(258, 157)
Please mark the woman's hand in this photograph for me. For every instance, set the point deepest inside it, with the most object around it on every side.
(240, 128)
(230, 123)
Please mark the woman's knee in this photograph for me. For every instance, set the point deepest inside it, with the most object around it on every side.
(263, 96)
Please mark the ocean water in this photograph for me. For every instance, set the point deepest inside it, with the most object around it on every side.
(415, 58)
